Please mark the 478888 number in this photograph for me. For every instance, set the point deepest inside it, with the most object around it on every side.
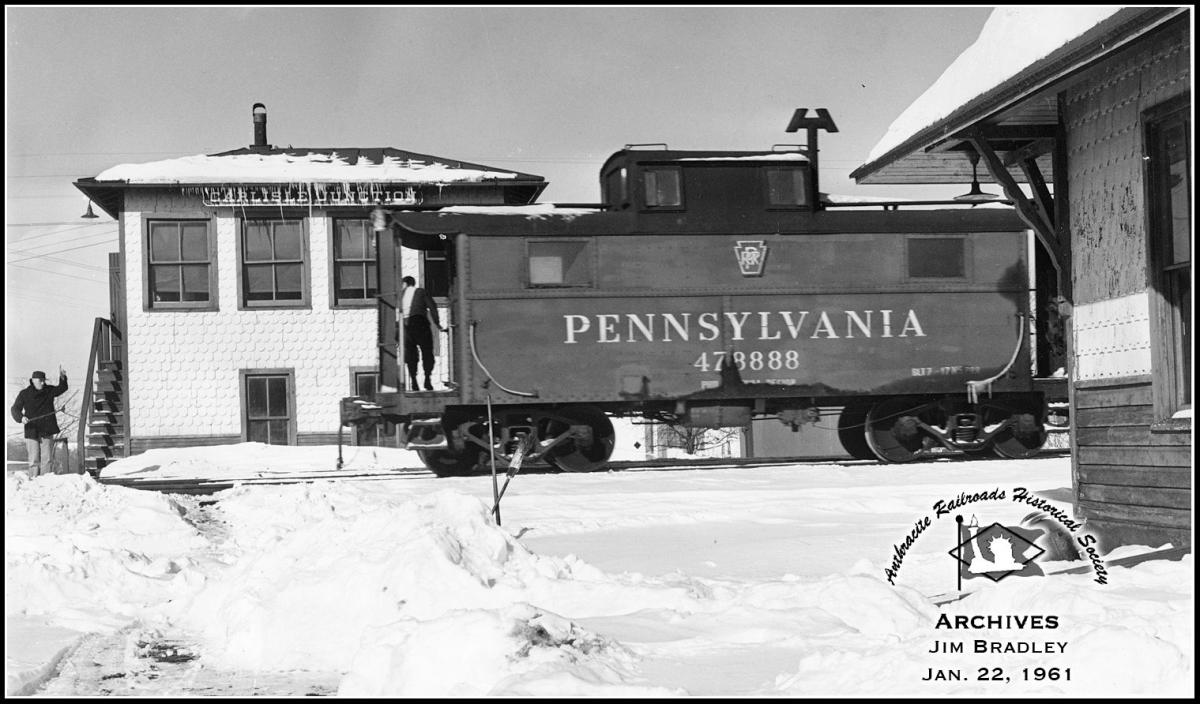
(754, 361)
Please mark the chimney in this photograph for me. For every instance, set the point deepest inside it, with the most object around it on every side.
(260, 126)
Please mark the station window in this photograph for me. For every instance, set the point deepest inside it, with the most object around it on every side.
(354, 273)
(180, 265)
(786, 188)
(559, 263)
(663, 187)
(268, 400)
(1168, 165)
(937, 258)
(274, 264)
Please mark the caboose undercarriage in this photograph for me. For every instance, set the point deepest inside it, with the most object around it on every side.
(581, 437)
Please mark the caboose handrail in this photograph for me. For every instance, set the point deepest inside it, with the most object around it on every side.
(492, 379)
(974, 387)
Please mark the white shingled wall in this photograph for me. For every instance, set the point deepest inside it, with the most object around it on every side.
(184, 366)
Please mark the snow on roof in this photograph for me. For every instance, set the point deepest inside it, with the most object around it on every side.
(314, 167)
(1012, 39)
(780, 156)
(537, 211)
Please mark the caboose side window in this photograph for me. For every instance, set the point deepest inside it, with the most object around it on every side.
(937, 258)
(786, 188)
(1168, 178)
(354, 279)
(274, 256)
(559, 263)
(180, 265)
(663, 187)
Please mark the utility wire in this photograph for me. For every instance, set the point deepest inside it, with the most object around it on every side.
(69, 249)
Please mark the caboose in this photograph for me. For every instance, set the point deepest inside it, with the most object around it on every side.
(710, 288)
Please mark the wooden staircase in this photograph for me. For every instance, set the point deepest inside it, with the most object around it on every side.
(103, 427)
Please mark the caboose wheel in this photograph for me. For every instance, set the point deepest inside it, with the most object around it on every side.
(1022, 439)
(852, 431)
(449, 464)
(579, 455)
(893, 430)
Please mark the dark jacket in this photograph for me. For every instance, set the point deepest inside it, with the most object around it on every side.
(422, 306)
(38, 406)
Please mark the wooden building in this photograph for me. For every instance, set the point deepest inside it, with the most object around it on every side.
(244, 292)
(1089, 109)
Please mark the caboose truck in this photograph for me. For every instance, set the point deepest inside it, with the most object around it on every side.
(709, 288)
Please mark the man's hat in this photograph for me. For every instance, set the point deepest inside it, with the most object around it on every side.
(39, 375)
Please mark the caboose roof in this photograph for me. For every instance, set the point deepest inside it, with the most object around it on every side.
(662, 156)
(272, 166)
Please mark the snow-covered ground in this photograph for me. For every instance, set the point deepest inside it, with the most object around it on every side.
(763, 581)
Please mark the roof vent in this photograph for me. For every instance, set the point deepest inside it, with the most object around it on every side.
(260, 126)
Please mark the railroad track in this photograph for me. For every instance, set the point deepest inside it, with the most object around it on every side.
(203, 486)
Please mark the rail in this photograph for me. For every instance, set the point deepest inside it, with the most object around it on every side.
(106, 347)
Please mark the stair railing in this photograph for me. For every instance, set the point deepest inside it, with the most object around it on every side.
(105, 348)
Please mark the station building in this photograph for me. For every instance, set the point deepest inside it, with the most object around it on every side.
(1082, 115)
(243, 295)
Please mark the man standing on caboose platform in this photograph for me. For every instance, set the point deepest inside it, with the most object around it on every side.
(417, 310)
(34, 408)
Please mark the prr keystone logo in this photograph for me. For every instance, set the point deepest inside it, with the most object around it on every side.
(751, 256)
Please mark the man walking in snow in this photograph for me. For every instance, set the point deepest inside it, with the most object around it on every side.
(34, 408)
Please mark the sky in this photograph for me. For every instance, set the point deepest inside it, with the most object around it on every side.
(768, 581)
(548, 91)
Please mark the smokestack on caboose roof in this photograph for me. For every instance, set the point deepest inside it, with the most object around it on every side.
(260, 126)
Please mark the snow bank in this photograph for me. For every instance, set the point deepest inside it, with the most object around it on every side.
(388, 589)
(91, 556)
(1132, 636)
(510, 651)
(255, 459)
(408, 588)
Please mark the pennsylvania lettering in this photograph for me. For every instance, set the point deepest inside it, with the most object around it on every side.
(744, 325)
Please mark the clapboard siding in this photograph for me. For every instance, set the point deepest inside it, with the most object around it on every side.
(1135, 435)
(1145, 515)
(1140, 394)
(1132, 485)
(1113, 417)
(1161, 477)
(1144, 496)
(321, 438)
(1136, 457)
(154, 442)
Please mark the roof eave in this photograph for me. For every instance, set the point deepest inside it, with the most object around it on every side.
(1106, 37)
